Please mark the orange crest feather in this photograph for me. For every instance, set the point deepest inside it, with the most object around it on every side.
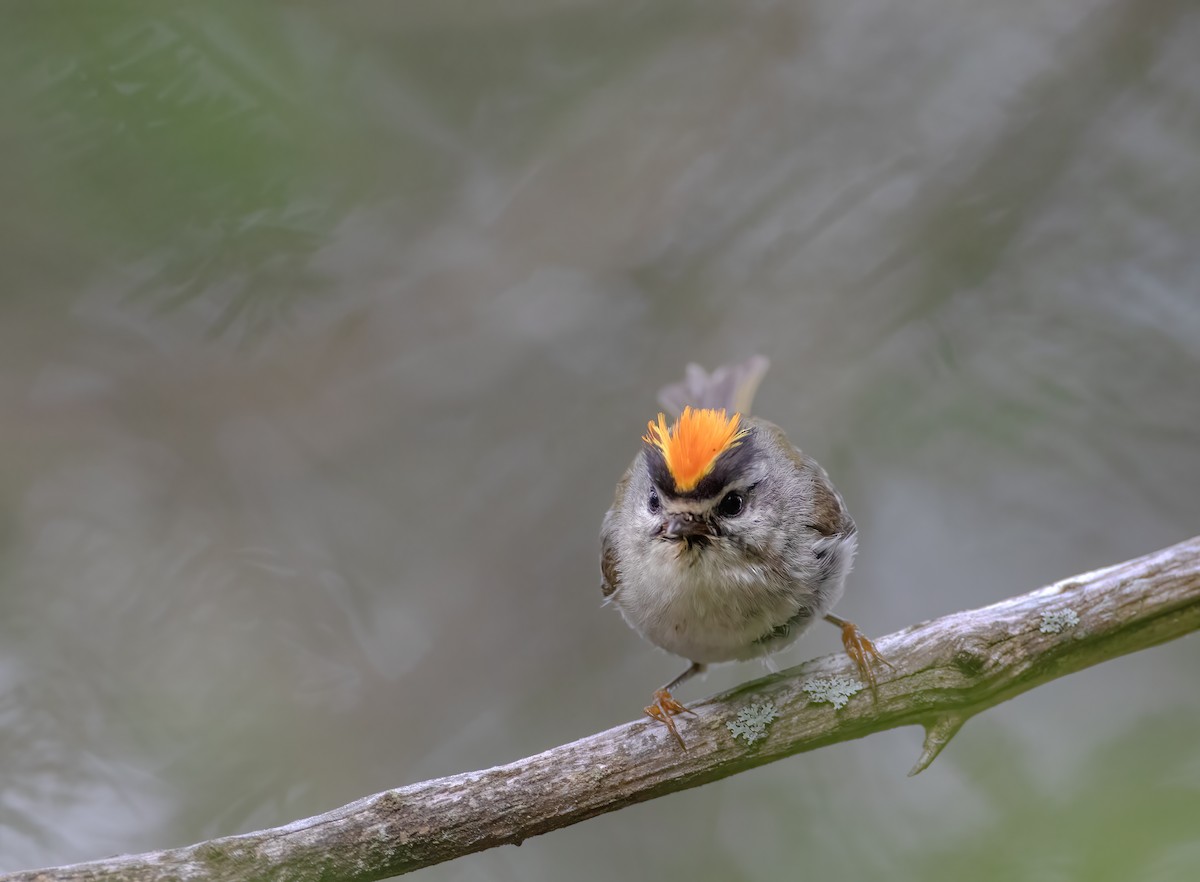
(693, 443)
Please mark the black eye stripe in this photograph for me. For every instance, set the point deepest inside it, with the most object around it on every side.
(731, 466)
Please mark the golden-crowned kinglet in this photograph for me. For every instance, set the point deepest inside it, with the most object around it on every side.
(724, 541)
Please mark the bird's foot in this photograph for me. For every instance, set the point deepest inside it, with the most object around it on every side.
(862, 652)
(664, 708)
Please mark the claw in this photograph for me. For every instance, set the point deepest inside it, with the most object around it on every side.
(664, 707)
(862, 652)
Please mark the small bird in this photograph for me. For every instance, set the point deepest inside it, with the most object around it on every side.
(724, 541)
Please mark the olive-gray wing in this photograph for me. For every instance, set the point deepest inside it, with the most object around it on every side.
(829, 515)
(610, 574)
(610, 579)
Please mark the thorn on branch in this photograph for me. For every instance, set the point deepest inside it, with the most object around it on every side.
(937, 736)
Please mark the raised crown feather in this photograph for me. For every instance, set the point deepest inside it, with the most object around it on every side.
(693, 443)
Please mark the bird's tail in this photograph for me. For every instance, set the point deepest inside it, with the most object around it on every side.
(730, 386)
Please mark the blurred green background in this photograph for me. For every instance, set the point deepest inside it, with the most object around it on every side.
(327, 330)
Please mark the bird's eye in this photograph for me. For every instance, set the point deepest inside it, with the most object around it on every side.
(654, 502)
(732, 504)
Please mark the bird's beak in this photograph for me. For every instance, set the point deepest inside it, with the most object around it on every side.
(684, 526)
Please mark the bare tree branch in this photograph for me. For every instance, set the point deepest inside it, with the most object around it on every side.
(948, 670)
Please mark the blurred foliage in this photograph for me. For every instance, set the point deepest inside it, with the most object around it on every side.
(213, 153)
(212, 156)
(1119, 812)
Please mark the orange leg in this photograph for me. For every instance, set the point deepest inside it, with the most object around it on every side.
(665, 706)
(860, 649)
